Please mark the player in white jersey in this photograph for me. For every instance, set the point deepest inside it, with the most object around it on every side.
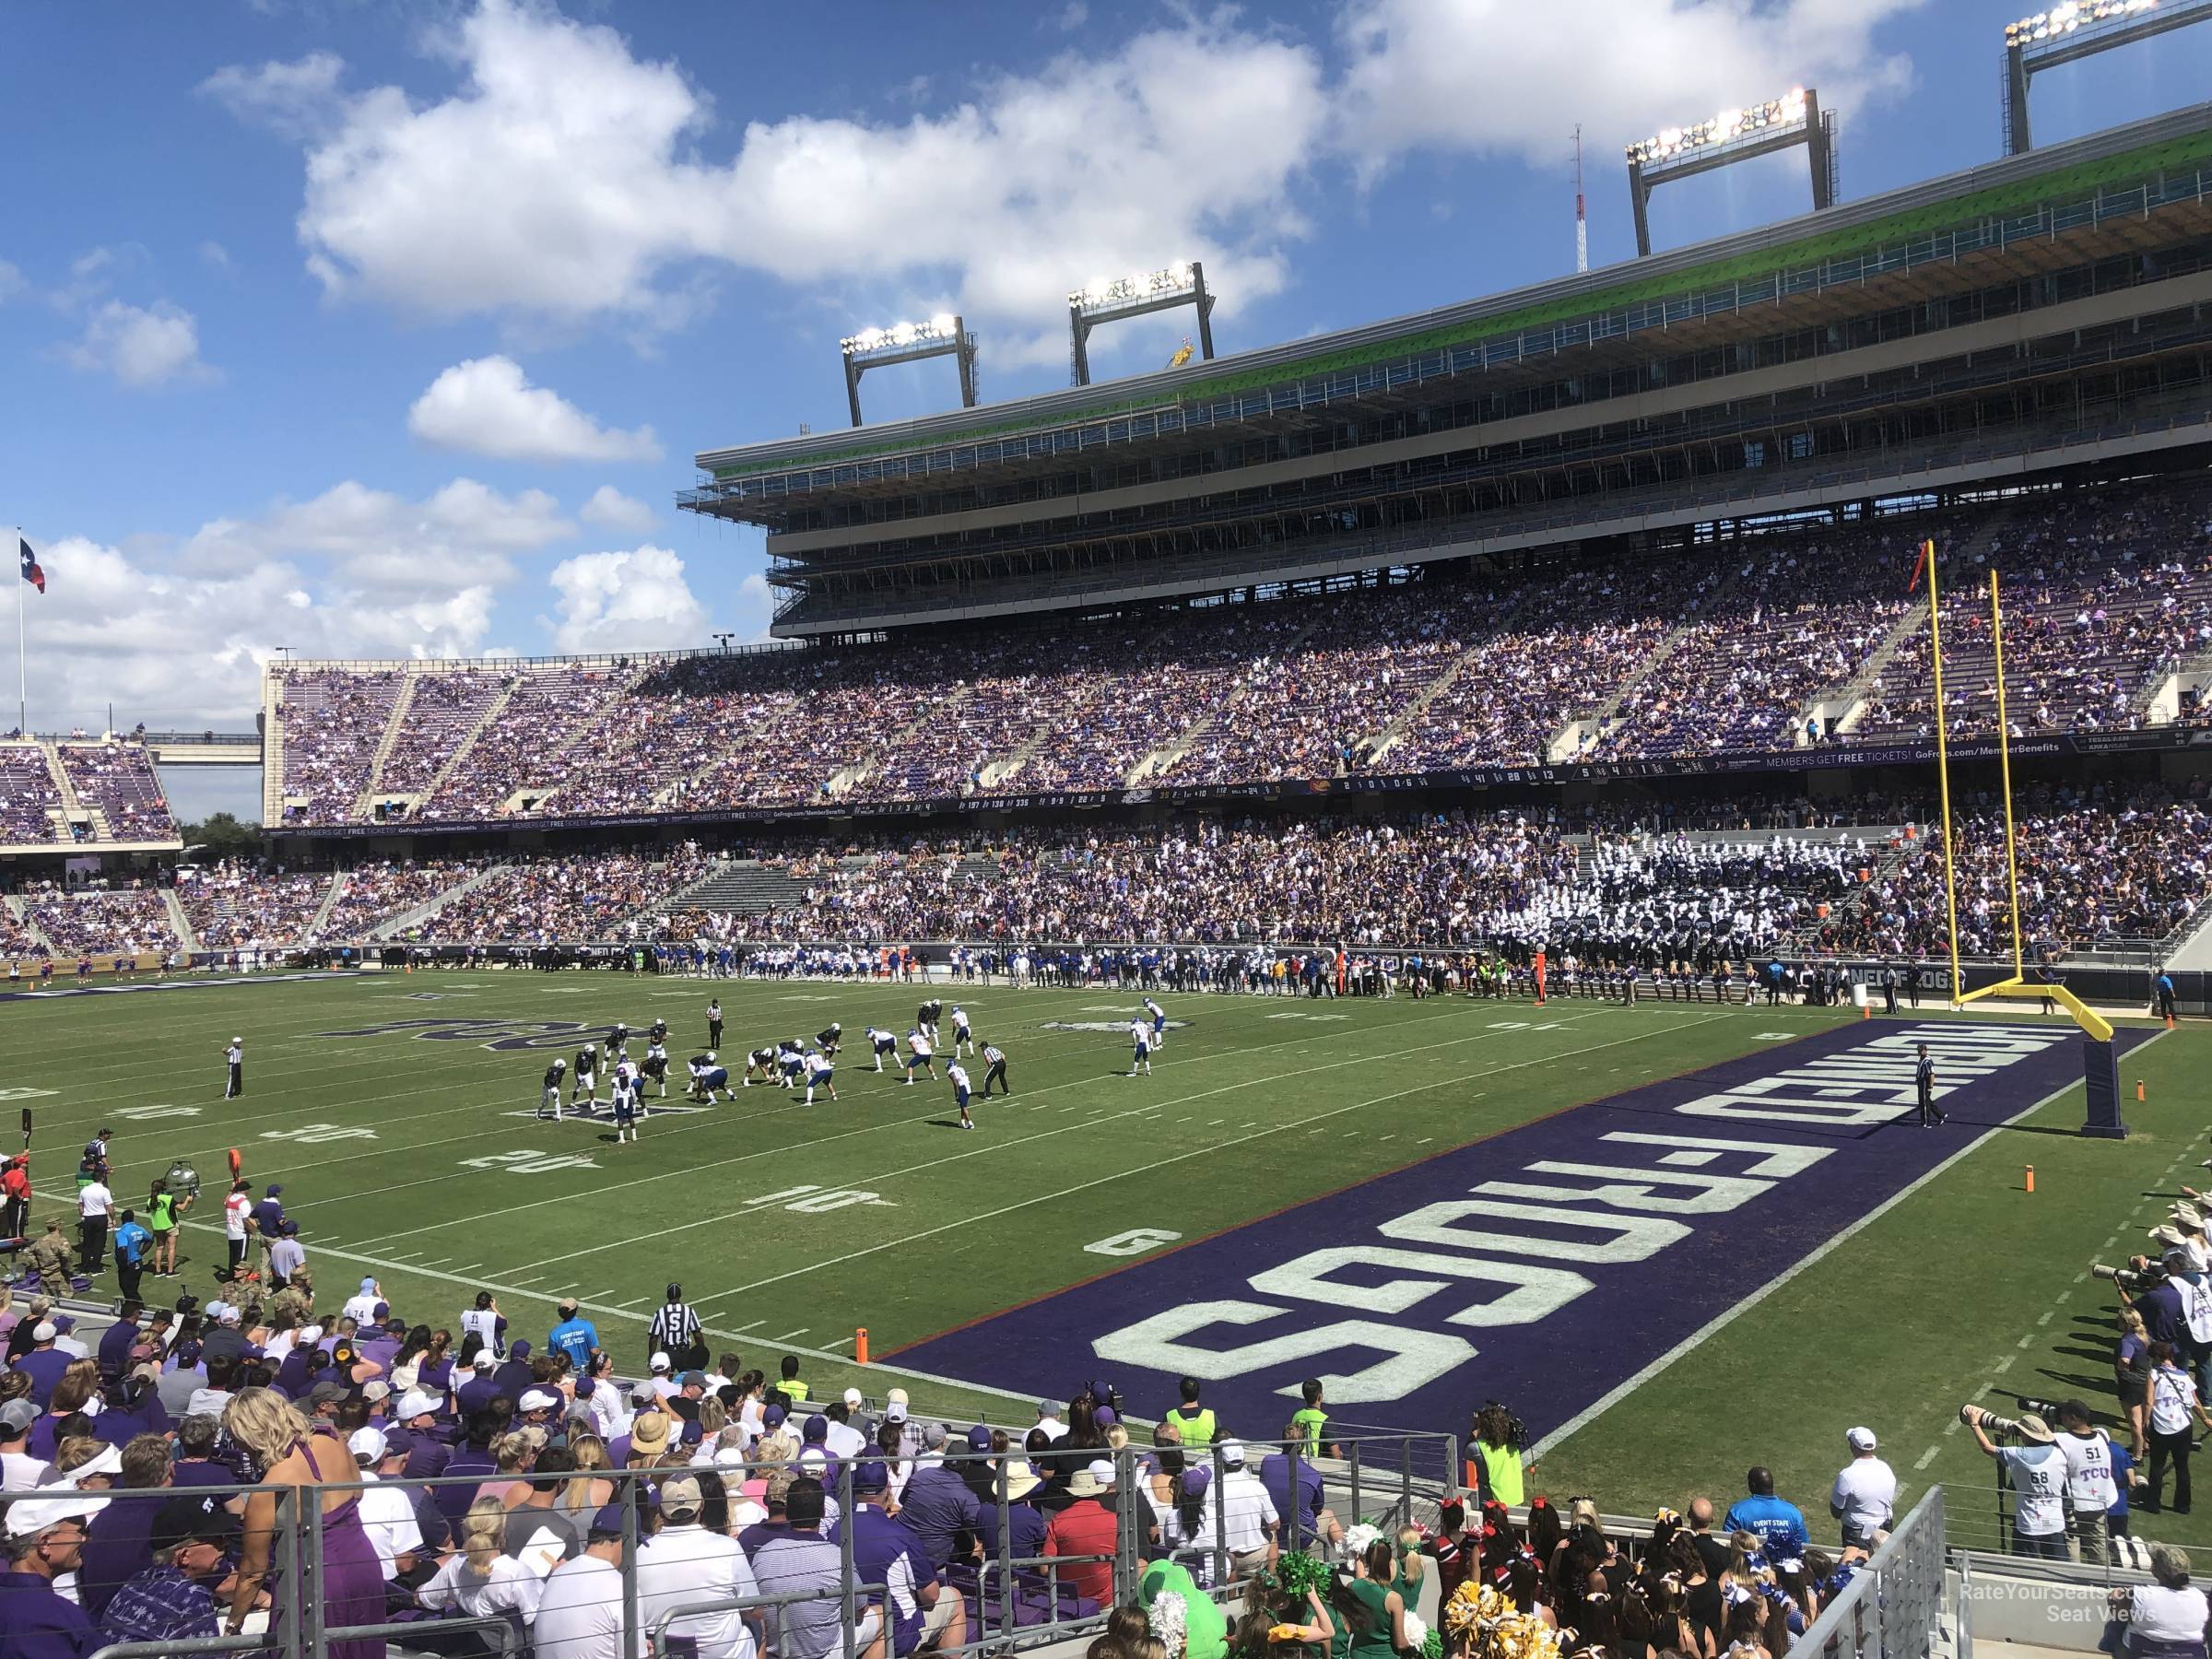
(790, 1060)
(957, 1075)
(625, 1105)
(1159, 1023)
(918, 1057)
(881, 1043)
(818, 1067)
(627, 1071)
(1140, 1036)
(963, 1040)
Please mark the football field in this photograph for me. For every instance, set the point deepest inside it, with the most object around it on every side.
(1611, 1218)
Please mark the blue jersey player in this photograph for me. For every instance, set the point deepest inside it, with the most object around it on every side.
(708, 1074)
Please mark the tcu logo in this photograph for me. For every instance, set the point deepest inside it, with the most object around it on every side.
(486, 1033)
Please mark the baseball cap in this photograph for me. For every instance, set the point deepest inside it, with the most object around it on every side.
(18, 1416)
(645, 1393)
(871, 1476)
(375, 1391)
(606, 1520)
(43, 1330)
(933, 1435)
(774, 1416)
(658, 1363)
(1233, 1453)
(897, 1396)
(1106, 1417)
(567, 1304)
(415, 1404)
(28, 1517)
(536, 1399)
(520, 1351)
(368, 1284)
(855, 1399)
(1860, 1440)
(692, 1379)
(326, 1391)
(398, 1442)
(679, 1492)
(1048, 1408)
(979, 1438)
(483, 1360)
(184, 1520)
(367, 1442)
(895, 1412)
(817, 1428)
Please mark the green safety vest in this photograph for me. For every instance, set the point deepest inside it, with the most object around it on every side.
(1501, 1467)
(1197, 1428)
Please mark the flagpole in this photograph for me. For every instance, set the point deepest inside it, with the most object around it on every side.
(22, 672)
(1943, 773)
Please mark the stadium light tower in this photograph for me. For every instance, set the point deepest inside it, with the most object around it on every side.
(1730, 136)
(909, 342)
(1110, 299)
(2077, 29)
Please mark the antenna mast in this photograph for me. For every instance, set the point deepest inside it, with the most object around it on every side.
(1582, 228)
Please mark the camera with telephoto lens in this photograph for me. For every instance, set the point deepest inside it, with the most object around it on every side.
(2046, 1409)
(2148, 1276)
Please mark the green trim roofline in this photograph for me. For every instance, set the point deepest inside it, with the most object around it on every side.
(1995, 202)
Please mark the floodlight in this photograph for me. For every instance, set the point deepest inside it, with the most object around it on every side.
(1111, 299)
(2079, 29)
(1736, 133)
(942, 335)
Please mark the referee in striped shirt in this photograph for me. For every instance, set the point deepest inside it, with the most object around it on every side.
(994, 1063)
(675, 1332)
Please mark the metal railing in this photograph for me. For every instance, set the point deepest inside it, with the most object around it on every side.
(1893, 1608)
(1019, 1598)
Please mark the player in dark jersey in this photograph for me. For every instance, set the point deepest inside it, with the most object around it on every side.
(927, 1015)
(760, 1060)
(830, 1039)
(556, 1074)
(587, 1074)
(657, 1031)
(656, 1068)
(617, 1041)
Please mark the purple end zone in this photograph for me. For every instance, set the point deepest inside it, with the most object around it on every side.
(1543, 1266)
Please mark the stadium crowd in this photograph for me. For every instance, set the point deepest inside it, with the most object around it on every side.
(28, 799)
(117, 779)
(1714, 649)
(234, 904)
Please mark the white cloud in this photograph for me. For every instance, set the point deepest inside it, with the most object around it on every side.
(141, 346)
(1473, 75)
(1073, 16)
(629, 601)
(459, 538)
(488, 407)
(216, 255)
(583, 196)
(294, 100)
(611, 510)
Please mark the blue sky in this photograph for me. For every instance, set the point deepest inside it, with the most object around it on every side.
(381, 329)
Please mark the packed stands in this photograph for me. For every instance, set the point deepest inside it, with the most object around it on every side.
(232, 905)
(584, 896)
(2102, 594)
(1677, 655)
(442, 709)
(29, 803)
(117, 781)
(374, 893)
(2098, 869)
(334, 721)
(103, 922)
(551, 708)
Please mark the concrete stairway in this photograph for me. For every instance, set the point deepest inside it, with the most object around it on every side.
(179, 922)
(15, 909)
(423, 912)
(743, 886)
(395, 725)
(484, 721)
(331, 894)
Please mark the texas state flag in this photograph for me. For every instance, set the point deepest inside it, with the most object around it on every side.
(29, 561)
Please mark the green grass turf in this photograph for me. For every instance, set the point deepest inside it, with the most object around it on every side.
(1256, 1104)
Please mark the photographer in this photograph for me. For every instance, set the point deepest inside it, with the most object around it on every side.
(2173, 1404)
(2039, 1479)
(2092, 1486)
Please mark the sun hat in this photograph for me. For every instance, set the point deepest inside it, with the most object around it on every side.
(2033, 1428)
(649, 1431)
(1091, 1479)
(1021, 1479)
